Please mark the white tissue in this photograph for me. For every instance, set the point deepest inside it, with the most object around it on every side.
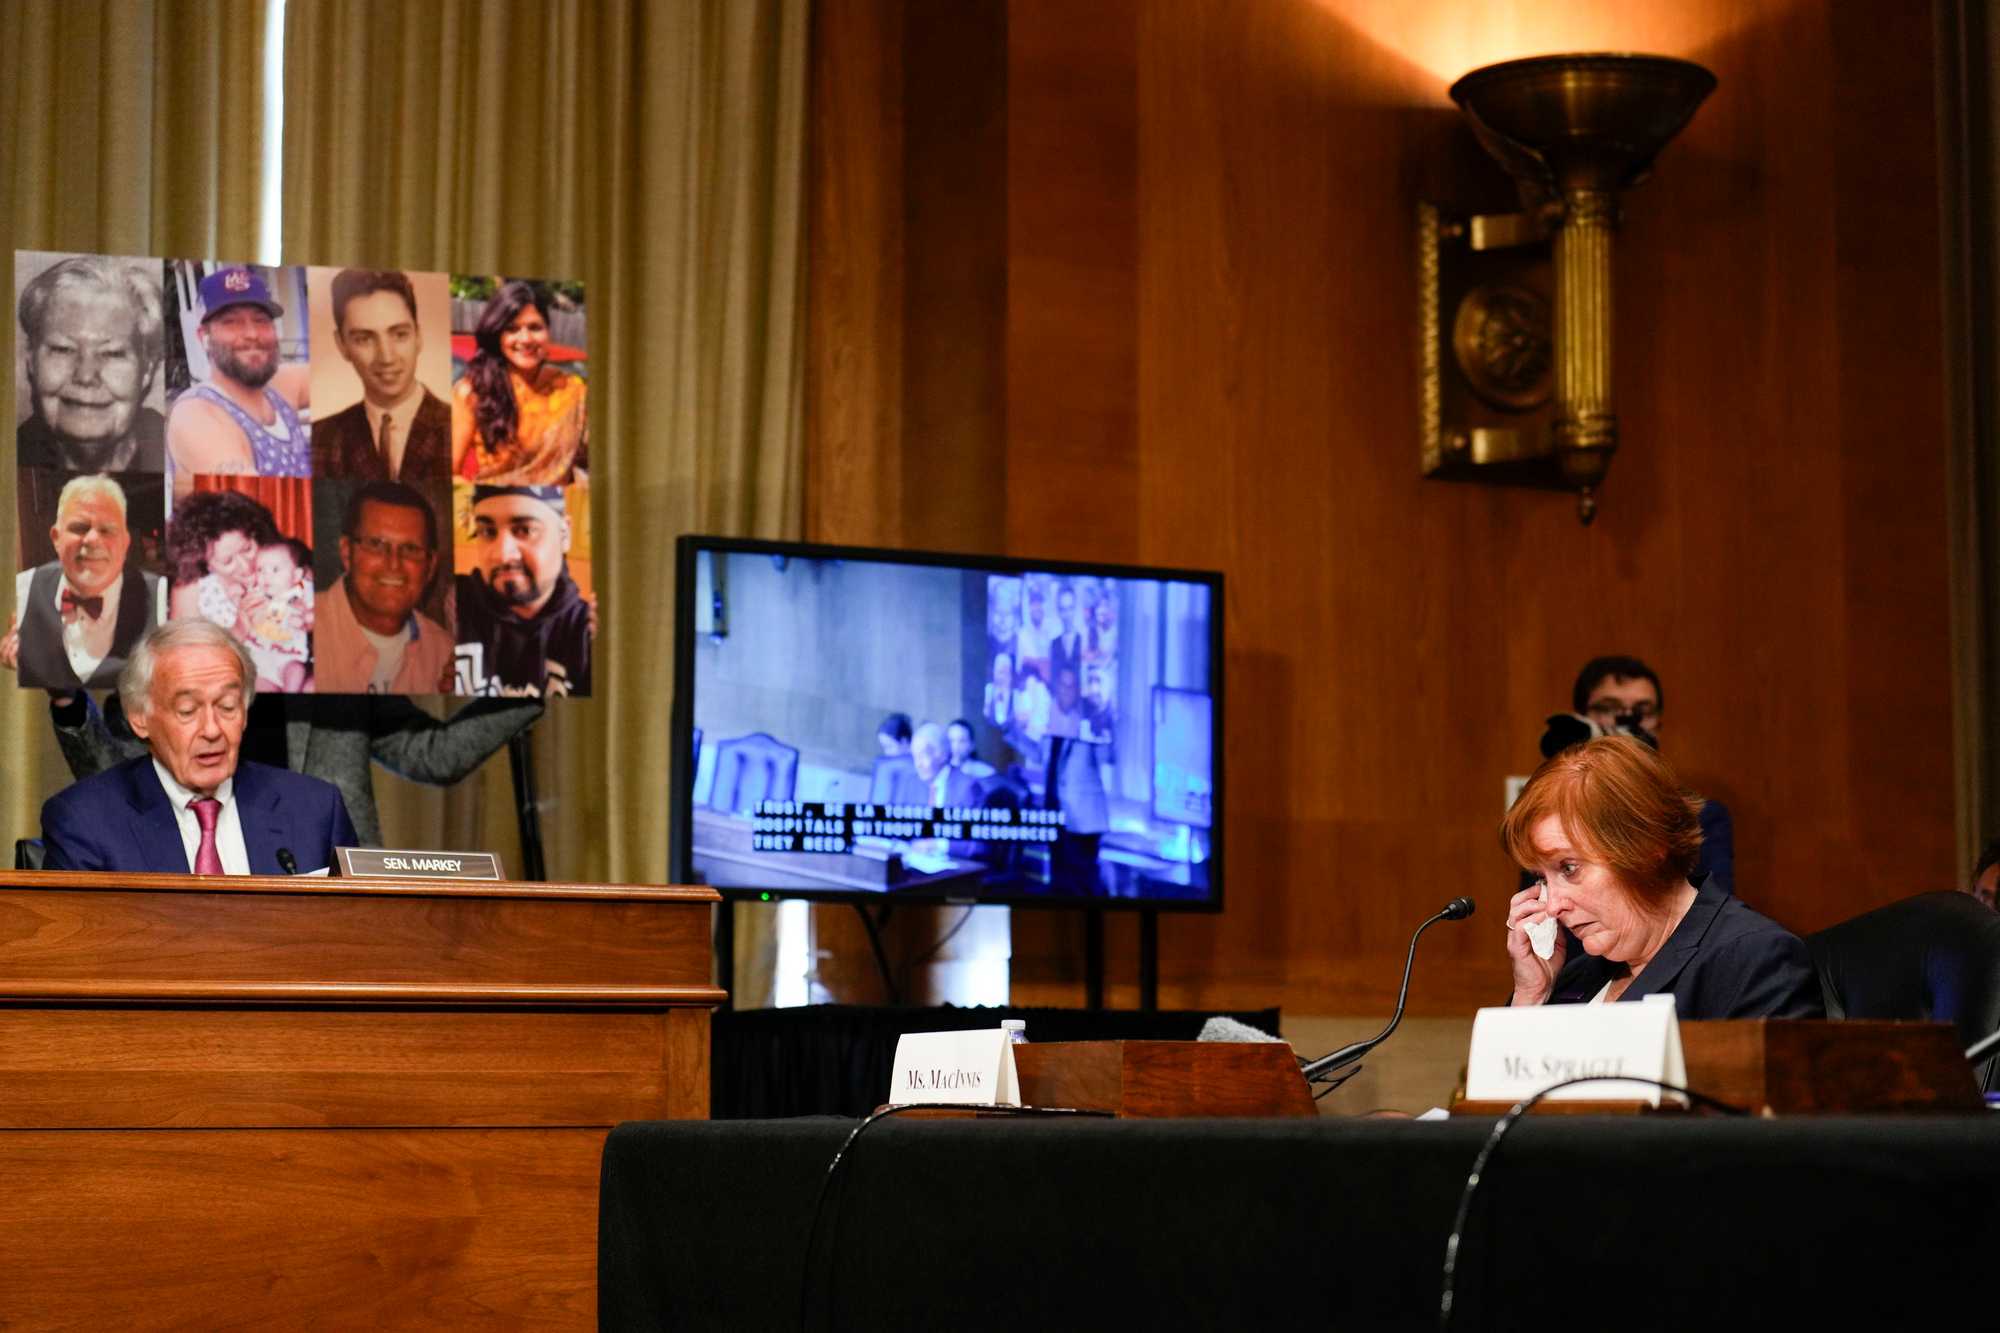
(1542, 934)
(1224, 1028)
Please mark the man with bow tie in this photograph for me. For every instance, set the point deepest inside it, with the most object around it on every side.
(77, 617)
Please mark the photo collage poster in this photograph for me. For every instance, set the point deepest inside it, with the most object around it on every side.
(1052, 656)
(377, 480)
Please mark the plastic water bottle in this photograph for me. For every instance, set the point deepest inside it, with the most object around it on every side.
(1016, 1030)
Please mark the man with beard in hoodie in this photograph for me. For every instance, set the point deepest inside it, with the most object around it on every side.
(523, 626)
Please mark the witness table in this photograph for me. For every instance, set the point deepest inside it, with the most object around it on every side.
(1582, 1222)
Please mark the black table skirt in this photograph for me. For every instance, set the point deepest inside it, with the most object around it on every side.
(1583, 1223)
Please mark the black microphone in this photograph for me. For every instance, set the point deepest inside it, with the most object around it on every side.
(287, 862)
(1456, 910)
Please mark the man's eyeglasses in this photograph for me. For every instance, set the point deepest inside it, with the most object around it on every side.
(408, 552)
(1610, 710)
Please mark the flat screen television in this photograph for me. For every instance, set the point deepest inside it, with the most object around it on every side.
(898, 725)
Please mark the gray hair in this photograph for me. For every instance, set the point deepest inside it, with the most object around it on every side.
(931, 736)
(140, 289)
(135, 682)
(78, 487)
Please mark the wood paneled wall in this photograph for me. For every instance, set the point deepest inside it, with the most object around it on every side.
(1191, 343)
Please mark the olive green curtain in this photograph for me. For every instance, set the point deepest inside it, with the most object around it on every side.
(655, 150)
(133, 127)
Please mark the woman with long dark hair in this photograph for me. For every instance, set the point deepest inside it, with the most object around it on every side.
(516, 419)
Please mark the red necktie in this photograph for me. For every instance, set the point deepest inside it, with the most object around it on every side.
(207, 861)
(90, 606)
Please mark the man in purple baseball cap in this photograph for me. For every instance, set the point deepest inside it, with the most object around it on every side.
(228, 287)
(247, 416)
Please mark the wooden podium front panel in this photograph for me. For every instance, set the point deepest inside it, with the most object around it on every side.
(231, 1067)
(329, 1103)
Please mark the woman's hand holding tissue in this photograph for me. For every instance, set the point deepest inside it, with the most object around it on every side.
(1534, 945)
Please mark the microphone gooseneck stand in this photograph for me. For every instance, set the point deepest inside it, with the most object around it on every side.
(1316, 1072)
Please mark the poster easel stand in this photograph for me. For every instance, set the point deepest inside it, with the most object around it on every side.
(521, 759)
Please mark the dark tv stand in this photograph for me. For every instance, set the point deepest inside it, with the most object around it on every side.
(1149, 959)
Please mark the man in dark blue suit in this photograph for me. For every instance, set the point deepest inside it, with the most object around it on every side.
(189, 805)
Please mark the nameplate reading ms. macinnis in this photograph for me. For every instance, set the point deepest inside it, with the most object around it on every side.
(1518, 1052)
(380, 863)
(975, 1068)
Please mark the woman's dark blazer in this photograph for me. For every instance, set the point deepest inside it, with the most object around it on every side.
(1722, 961)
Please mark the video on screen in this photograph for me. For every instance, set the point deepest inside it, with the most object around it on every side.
(877, 727)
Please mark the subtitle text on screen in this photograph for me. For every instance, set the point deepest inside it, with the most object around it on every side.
(833, 826)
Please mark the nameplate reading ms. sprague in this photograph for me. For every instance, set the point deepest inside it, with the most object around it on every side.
(390, 863)
(1518, 1052)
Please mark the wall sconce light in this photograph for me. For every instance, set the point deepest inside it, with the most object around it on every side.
(1516, 381)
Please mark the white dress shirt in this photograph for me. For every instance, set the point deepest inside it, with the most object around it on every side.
(86, 642)
(401, 417)
(229, 843)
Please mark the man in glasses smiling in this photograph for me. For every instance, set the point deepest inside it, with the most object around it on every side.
(368, 636)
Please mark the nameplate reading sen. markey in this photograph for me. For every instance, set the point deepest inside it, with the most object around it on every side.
(1518, 1052)
(972, 1068)
(388, 863)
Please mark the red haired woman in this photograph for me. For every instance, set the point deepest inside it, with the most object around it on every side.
(1610, 837)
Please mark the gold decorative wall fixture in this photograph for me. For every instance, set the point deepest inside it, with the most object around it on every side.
(1515, 308)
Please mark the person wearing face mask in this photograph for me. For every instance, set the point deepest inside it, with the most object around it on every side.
(1610, 837)
(77, 617)
(516, 419)
(246, 417)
